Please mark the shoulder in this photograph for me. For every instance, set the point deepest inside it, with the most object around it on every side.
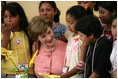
(60, 25)
(60, 43)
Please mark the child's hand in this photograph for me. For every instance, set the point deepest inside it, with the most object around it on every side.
(6, 29)
(80, 66)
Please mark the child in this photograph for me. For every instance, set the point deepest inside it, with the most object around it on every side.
(106, 11)
(51, 52)
(15, 38)
(113, 57)
(73, 53)
(99, 49)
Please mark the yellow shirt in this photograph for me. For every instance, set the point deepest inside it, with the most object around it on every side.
(20, 53)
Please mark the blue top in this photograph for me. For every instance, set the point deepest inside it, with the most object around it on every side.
(59, 30)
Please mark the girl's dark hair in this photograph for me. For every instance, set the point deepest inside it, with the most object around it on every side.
(53, 4)
(108, 5)
(78, 12)
(89, 25)
(15, 9)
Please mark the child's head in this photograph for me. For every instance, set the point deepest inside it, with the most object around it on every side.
(89, 26)
(13, 13)
(106, 10)
(89, 4)
(74, 14)
(40, 29)
(114, 26)
(49, 10)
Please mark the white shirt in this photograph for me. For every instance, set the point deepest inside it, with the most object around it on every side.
(113, 57)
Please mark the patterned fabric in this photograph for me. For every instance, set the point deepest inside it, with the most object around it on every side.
(59, 30)
(73, 52)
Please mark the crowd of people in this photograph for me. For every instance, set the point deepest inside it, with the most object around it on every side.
(45, 48)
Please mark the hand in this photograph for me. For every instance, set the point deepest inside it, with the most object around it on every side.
(80, 66)
(6, 29)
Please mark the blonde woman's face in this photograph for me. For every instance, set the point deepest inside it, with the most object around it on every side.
(47, 38)
(47, 11)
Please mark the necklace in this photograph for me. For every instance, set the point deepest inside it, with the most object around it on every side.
(49, 50)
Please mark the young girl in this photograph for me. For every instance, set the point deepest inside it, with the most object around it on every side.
(49, 10)
(99, 49)
(51, 52)
(113, 57)
(15, 38)
(73, 53)
(106, 11)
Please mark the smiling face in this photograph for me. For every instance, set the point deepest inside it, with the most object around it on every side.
(104, 15)
(71, 22)
(47, 11)
(11, 20)
(47, 38)
(114, 28)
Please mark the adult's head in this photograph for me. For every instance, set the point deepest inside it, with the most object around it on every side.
(74, 14)
(40, 29)
(89, 4)
(107, 9)
(49, 10)
(89, 27)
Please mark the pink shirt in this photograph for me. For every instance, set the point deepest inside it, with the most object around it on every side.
(50, 63)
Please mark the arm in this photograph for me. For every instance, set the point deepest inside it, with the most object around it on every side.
(94, 75)
(6, 30)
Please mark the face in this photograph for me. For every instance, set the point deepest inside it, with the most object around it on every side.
(104, 15)
(84, 38)
(89, 4)
(11, 20)
(46, 10)
(114, 28)
(71, 22)
(47, 38)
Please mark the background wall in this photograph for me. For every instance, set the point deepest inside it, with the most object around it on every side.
(31, 8)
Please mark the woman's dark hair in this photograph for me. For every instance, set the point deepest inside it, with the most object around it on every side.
(15, 9)
(53, 4)
(108, 5)
(89, 25)
(78, 12)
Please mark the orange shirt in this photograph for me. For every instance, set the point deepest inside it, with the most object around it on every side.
(50, 63)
